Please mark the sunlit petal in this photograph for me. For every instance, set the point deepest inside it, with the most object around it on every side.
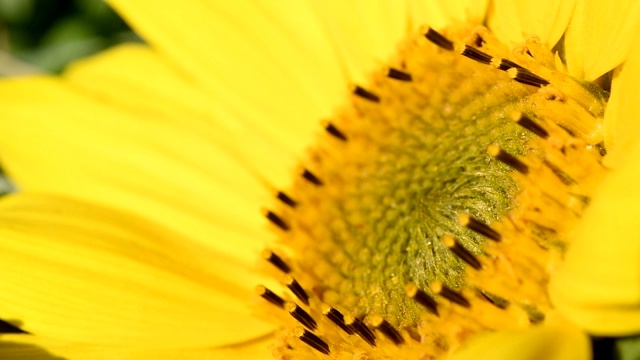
(439, 14)
(168, 170)
(599, 36)
(269, 48)
(556, 340)
(137, 79)
(28, 347)
(82, 273)
(515, 21)
(619, 134)
(363, 34)
(623, 110)
(598, 286)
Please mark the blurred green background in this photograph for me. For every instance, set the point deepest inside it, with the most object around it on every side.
(45, 35)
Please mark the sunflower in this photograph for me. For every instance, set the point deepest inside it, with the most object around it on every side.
(142, 172)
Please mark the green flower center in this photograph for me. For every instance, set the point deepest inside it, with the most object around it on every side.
(411, 183)
(397, 185)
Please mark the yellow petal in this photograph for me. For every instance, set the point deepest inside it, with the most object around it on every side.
(439, 14)
(275, 42)
(28, 347)
(78, 272)
(619, 132)
(271, 57)
(137, 79)
(621, 125)
(515, 21)
(173, 171)
(598, 286)
(557, 339)
(362, 34)
(599, 36)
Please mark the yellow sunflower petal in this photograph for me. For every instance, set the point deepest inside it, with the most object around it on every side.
(619, 132)
(599, 36)
(557, 339)
(29, 347)
(621, 125)
(83, 273)
(515, 21)
(136, 78)
(598, 286)
(439, 14)
(266, 48)
(362, 34)
(269, 56)
(171, 170)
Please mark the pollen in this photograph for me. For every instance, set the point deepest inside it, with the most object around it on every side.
(435, 204)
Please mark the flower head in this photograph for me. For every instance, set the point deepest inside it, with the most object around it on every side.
(140, 205)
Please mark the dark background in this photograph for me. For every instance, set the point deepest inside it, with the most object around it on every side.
(45, 35)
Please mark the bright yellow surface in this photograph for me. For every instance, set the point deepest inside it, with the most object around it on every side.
(556, 340)
(27, 347)
(88, 274)
(515, 21)
(599, 36)
(598, 286)
(196, 114)
(89, 148)
(621, 119)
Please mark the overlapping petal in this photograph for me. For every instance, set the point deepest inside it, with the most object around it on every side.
(557, 339)
(86, 274)
(29, 347)
(361, 43)
(439, 14)
(598, 286)
(158, 155)
(623, 110)
(269, 57)
(136, 79)
(288, 61)
(515, 21)
(599, 36)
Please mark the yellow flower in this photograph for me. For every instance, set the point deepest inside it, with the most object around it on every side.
(142, 172)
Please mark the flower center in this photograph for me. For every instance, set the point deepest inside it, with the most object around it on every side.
(438, 202)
